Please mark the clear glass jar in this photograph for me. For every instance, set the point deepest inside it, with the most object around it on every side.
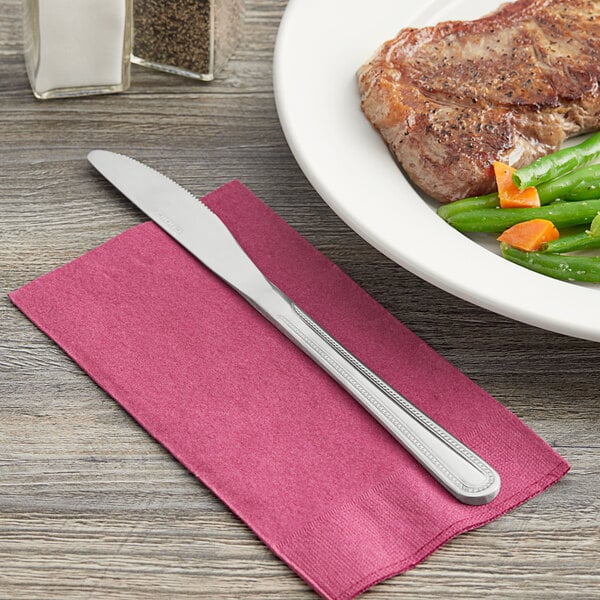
(194, 38)
(77, 47)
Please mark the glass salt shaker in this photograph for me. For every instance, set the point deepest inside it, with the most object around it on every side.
(194, 38)
(77, 47)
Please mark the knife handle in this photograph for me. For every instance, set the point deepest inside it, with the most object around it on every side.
(462, 472)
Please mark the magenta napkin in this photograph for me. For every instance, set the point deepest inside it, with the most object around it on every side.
(287, 449)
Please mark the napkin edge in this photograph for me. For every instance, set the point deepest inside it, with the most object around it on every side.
(513, 502)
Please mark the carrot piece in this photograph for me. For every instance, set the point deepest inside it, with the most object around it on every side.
(509, 194)
(530, 235)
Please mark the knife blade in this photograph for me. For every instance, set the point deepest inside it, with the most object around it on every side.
(201, 232)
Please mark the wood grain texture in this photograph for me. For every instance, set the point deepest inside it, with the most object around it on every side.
(90, 506)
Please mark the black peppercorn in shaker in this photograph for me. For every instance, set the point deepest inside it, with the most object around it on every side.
(193, 38)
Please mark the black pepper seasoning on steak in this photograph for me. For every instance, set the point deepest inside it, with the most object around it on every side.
(511, 86)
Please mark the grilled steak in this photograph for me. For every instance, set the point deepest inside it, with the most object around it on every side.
(511, 86)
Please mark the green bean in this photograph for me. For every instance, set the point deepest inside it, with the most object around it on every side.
(570, 243)
(583, 240)
(562, 214)
(473, 203)
(559, 266)
(558, 163)
(581, 184)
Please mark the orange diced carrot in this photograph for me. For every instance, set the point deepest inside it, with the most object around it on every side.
(530, 235)
(509, 194)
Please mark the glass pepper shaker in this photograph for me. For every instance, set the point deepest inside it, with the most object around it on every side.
(77, 47)
(194, 38)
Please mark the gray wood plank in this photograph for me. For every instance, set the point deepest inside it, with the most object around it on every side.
(90, 506)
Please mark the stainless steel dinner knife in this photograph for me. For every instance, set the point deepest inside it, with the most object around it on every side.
(462, 472)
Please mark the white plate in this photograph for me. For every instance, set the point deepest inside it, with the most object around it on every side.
(320, 45)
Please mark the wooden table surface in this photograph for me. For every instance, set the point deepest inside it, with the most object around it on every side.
(90, 505)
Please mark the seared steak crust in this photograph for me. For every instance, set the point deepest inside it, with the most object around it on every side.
(511, 86)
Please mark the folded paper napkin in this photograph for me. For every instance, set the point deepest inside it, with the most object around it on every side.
(287, 449)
